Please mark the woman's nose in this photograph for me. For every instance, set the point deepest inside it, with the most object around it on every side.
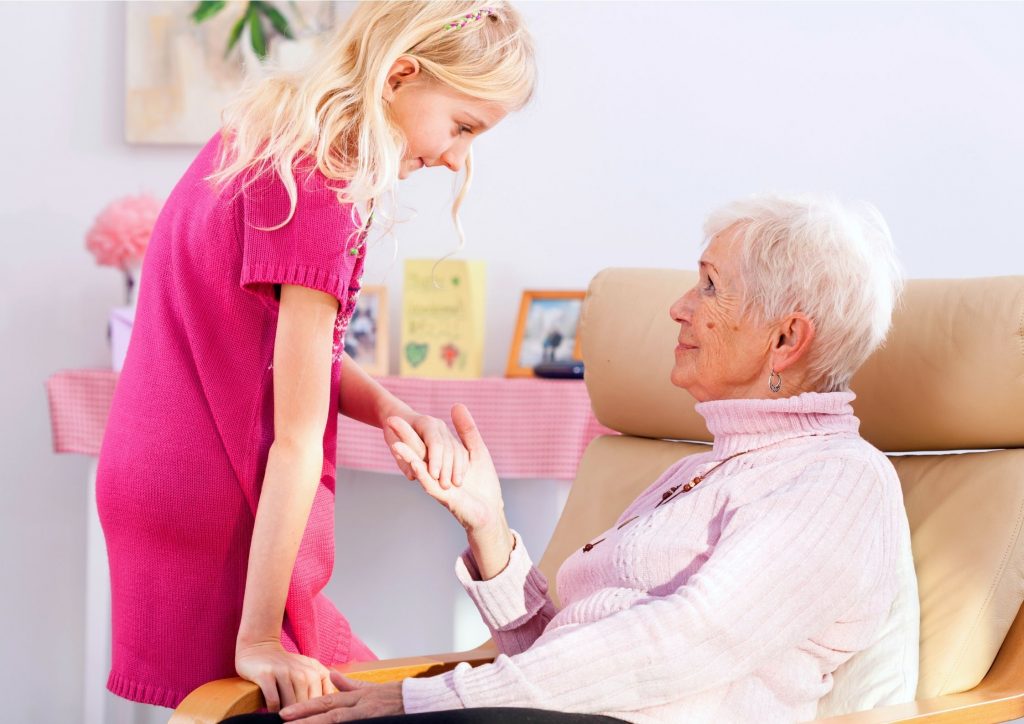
(682, 309)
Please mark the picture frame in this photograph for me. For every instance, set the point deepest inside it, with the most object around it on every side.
(546, 330)
(366, 339)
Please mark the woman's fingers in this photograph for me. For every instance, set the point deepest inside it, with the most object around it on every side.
(465, 426)
(460, 466)
(316, 706)
(448, 464)
(345, 684)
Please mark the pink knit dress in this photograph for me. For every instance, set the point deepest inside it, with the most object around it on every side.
(187, 439)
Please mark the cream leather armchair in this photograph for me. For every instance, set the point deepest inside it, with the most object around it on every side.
(951, 378)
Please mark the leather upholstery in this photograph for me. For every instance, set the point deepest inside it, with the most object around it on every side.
(951, 377)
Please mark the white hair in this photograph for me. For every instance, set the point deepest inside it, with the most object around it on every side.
(833, 262)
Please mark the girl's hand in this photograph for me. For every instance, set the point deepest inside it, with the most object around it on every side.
(431, 441)
(284, 678)
(477, 502)
(355, 700)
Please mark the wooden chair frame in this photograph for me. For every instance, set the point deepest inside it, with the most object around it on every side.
(998, 697)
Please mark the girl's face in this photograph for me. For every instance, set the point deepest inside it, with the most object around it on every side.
(439, 123)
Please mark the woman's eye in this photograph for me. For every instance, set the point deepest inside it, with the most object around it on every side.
(709, 286)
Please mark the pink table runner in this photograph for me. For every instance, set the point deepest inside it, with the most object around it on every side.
(534, 428)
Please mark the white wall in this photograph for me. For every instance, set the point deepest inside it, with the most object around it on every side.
(646, 117)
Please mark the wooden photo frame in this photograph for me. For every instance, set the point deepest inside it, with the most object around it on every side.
(545, 331)
(366, 340)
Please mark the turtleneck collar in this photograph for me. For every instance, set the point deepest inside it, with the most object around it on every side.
(740, 425)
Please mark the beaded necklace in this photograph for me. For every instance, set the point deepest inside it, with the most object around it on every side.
(676, 490)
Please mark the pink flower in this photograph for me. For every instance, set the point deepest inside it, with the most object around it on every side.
(121, 232)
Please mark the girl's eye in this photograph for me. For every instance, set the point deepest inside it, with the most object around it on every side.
(465, 129)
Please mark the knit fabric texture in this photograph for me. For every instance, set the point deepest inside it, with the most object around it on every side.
(733, 602)
(191, 425)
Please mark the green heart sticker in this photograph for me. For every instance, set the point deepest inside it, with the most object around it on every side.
(416, 353)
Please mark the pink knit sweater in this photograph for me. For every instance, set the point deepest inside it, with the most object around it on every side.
(733, 602)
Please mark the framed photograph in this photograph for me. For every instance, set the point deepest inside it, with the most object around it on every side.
(546, 331)
(366, 340)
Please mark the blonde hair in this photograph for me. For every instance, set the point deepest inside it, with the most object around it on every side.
(834, 262)
(333, 113)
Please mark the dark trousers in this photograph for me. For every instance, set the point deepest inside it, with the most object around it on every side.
(495, 715)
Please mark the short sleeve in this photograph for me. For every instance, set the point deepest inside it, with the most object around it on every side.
(318, 248)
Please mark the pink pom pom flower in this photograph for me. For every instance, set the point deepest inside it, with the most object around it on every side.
(121, 232)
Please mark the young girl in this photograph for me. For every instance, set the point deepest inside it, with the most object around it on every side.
(217, 474)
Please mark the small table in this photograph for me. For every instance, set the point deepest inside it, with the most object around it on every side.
(533, 428)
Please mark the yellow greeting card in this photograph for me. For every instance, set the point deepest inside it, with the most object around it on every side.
(443, 319)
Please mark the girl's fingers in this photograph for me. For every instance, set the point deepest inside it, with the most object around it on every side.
(407, 435)
(327, 685)
(403, 467)
(268, 685)
(435, 457)
(284, 689)
(428, 483)
(300, 685)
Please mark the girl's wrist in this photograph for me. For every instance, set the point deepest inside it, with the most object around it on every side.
(249, 638)
(394, 408)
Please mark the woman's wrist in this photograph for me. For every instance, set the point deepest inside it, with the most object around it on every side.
(491, 548)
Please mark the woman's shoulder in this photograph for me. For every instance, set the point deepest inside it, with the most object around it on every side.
(837, 459)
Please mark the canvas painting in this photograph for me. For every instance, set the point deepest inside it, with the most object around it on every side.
(184, 61)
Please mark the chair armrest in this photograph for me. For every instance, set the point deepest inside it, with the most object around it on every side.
(217, 700)
(380, 672)
(977, 706)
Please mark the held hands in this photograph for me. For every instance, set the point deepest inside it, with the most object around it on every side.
(476, 503)
(284, 678)
(355, 700)
(431, 441)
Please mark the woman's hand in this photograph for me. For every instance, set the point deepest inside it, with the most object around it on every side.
(355, 700)
(284, 678)
(477, 503)
(446, 458)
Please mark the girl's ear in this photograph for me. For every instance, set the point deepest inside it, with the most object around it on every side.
(402, 71)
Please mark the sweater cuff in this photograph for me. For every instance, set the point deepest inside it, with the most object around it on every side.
(510, 598)
(433, 693)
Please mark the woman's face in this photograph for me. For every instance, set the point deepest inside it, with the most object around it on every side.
(439, 123)
(720, 354)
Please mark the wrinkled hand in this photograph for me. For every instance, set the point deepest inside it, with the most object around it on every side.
(477, 503)
(284, 678)
(354, 700)
(446, 458)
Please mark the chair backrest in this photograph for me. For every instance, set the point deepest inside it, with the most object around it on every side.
(950, 378)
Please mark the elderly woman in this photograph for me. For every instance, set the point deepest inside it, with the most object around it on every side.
(734, 586)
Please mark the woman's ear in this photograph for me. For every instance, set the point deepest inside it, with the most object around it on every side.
(792, 341)
(402, 71)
